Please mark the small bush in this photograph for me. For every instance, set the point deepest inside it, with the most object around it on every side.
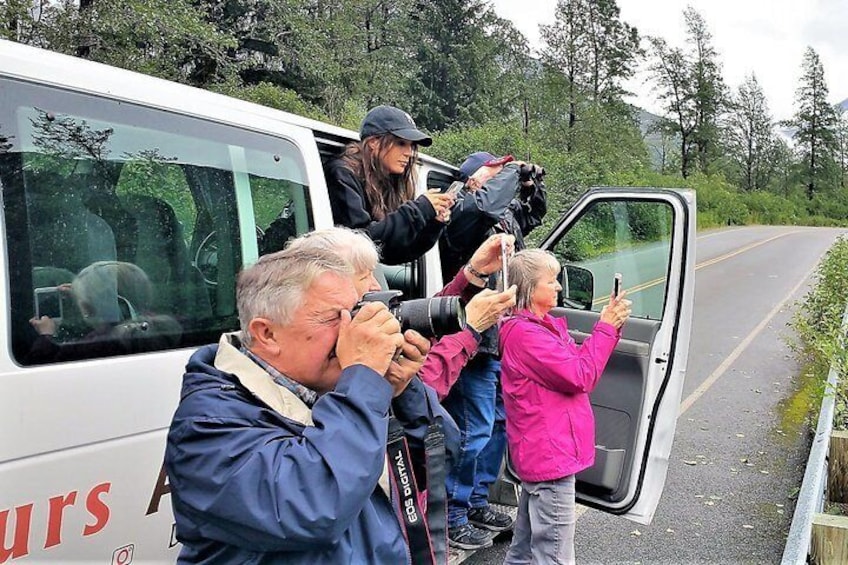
(769, 208)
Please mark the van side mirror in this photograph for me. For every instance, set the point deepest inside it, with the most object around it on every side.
(577, 288)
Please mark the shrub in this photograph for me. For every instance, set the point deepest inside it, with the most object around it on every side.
(818, 325)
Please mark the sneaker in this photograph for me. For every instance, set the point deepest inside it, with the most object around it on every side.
(490, 519)
(467, 536)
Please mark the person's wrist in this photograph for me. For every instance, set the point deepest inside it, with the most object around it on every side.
(474, 276)
(475, 333)
(475, 272)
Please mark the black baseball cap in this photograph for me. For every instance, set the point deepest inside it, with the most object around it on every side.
(388, 119)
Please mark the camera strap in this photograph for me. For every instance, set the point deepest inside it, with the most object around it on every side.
(426, 534)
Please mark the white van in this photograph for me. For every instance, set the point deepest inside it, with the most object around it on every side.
(150, 196)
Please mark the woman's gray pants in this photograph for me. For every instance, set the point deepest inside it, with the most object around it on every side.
(544, 530)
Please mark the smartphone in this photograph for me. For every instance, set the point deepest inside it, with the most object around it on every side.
(454, 188)
(616, 284)
(48, 302)
(504, 282)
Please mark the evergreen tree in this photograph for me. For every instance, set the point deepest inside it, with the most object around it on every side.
(815, 124)
(709, 88)
(468, 63)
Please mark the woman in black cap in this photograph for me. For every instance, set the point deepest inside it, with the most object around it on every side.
(372, 187)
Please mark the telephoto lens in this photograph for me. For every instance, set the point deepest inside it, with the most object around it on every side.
(431, 317)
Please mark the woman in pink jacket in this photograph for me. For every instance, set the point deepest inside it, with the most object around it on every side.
(546, 381)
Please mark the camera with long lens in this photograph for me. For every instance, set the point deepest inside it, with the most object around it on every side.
(529, 171)
(431, 317)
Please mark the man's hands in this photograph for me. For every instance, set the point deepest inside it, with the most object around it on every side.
(373, 339)
(370, 339)
(406, 365)
(486, 308)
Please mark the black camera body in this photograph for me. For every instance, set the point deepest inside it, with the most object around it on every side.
(529, 171)
(431, 317)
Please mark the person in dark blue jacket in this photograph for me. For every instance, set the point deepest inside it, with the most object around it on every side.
(500, 196)
(277, 450)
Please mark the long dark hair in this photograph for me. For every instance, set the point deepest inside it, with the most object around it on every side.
(384, 191)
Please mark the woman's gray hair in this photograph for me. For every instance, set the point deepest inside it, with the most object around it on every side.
(99, 287)
(354, 246)
(274, 286)
(525, 269)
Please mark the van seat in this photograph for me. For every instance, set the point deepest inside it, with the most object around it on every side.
(63, 232)
(162, 253)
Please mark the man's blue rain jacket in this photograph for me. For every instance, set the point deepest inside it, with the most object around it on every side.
(256, 477)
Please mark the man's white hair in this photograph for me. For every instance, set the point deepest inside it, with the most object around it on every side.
(274, 286)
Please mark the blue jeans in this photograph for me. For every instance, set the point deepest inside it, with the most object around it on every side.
(544, 529)
(471, 402)
(490, 459)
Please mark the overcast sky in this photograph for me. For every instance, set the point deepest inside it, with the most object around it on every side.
(767, 37)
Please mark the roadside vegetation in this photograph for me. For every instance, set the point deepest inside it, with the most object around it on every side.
(822, 341)
(470, 78)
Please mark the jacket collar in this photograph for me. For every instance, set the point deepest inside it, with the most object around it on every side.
(252, 377)
(280, 399)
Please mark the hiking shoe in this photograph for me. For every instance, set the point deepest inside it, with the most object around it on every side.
(469, 537)
(490, 519)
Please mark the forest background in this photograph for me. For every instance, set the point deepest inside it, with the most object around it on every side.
(468, 77)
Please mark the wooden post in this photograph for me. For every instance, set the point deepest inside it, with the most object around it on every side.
(829, 540)
(837, 470)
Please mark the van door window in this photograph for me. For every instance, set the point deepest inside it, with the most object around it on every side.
(126, 226)
(632, 238)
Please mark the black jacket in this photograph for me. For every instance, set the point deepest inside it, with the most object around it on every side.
(502, 205)
(403, 235)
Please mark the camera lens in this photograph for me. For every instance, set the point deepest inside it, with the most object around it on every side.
(431, 317)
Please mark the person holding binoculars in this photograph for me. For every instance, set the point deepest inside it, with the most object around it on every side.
(500, 196)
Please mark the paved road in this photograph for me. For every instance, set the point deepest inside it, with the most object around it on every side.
(738, 455)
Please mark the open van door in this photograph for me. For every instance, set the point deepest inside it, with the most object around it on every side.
(647, 235)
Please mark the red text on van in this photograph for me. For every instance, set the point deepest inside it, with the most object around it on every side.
(21, 526)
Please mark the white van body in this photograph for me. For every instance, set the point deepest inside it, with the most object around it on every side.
(100, 165)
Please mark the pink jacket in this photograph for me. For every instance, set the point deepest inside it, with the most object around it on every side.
(546, 381)
(452, 352)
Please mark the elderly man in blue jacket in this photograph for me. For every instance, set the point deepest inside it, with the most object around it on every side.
(277, 451)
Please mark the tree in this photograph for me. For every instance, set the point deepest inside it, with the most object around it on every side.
(671, 73)
(815, 124)
(148, 36)
(842, 143)
(692, 88)
(593, 49)
(750, 135)
(709, 88)
(469, 64)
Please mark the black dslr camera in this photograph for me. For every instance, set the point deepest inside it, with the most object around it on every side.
(431, 317)
(529, 171)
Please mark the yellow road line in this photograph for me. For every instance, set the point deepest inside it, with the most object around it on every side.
(706, 263)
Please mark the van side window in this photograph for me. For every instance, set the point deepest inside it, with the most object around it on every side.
(126, 226)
